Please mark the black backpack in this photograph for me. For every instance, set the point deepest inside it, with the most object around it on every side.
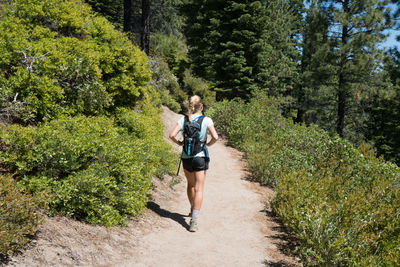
(191, 136)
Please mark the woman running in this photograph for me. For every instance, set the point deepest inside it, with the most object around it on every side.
(196, 166)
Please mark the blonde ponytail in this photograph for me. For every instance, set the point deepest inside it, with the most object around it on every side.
(194, 105)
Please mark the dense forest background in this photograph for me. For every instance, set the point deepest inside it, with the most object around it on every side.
(323, 60)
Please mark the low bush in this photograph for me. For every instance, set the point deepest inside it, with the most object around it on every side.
(341, 202)
(58, 58)
(96, 170)
(173, 50)
(165, 83)
(172, 78)
(19, 216)
(197, 86)
(148, 126)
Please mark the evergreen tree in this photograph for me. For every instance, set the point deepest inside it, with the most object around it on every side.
(141, 18)
(282, 29)
(145, 33)
(361, 24)
(316, 87)
(384, 127)
(238, 47)
(351, 60)
(111, 9)
(167, 18)
(396, 15)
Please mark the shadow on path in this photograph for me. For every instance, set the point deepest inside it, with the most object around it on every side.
(284, 240)
(179, 218)
(276, 264)
(4, 259)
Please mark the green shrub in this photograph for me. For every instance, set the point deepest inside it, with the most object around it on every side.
(148, 127)
(173, 50)
(165, 83)
(171, 77)
(341, 202)
(224, 113)
(96, 171)
(58, 58)
(19, 216)
(197, 86)
(345, 213)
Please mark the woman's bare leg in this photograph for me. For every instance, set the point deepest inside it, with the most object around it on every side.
(200, 177)
(191, 182)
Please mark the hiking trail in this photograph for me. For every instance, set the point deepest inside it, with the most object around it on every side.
(233, 227)
(236, 227)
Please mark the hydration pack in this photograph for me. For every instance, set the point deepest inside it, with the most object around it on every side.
(191, 136)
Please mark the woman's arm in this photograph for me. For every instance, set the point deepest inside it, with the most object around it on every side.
(214, 135)
(173, 133)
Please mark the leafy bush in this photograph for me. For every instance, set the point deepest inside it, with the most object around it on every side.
(341, 202)
(59, 58)
(148, 127)
(61, 66)
(173, 50)
(96, 171)
(165, 83)
(172, 78)
(19, 216)
(197, 86)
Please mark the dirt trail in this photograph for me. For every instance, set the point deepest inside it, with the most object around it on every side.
(233, 227)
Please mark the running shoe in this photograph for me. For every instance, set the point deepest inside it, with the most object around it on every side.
(193, 226)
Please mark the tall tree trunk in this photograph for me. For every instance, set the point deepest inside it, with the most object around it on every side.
(342, 83)
(128, 13)
(341, 106)
(145, 38)
(300, 109)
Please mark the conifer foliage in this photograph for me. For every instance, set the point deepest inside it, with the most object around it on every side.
(384, 126)
(233, 44)
(342, 61)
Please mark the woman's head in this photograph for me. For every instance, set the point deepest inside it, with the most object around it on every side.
(195, 104)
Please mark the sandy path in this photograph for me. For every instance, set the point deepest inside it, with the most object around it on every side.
(233, 228)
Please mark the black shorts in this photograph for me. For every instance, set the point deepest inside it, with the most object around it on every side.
(196, 164)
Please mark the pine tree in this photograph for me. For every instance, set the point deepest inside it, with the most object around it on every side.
(167, 18)
(235, 45)
(353, 61)
(141, 18)
(282, 28)
(384, 126)
(316, 87)
(361, 24)
(111, 9)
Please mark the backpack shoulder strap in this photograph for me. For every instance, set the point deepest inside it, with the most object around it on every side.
(185, 120)
(200, 120)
